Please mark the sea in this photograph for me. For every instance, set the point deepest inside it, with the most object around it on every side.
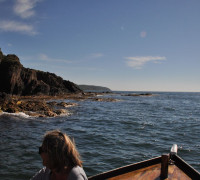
(108, 135)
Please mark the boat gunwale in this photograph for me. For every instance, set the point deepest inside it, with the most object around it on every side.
(185, 167)
(177, 161)
(126, 169)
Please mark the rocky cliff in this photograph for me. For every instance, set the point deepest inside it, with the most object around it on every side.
(18, 80)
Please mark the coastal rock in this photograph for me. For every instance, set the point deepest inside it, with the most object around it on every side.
(45, 106)
(60, 111)
(64, 104)
(18, 80)
(141, 94)
(38, 108)
(105, 99)
(50, 113)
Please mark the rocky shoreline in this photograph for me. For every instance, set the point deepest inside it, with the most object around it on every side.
(43, 105)
(41, 94)
(36, 93)
(140, 94)
(50, 106)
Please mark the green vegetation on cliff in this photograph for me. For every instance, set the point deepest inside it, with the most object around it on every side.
(92, 88)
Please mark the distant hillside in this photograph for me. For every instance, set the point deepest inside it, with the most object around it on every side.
(91, 88)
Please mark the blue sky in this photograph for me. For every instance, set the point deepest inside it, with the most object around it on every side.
(138, 45)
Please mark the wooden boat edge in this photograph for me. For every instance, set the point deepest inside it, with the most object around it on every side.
(179, 162)
(185, 167)
(126, 169)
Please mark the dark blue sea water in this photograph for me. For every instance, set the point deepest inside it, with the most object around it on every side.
(107, 134)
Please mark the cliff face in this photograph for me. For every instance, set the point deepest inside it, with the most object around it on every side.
(15, 79)
(1, 55)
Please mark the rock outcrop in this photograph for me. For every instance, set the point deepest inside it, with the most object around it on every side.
(34, 107)
(18, 80)
(34, 92)
(141, 94)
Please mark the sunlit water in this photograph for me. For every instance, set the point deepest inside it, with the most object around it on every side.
(107, 134)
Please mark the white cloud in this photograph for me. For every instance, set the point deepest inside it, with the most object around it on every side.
(14, 26)
(139, 61)
(44, 57)
(25, 8)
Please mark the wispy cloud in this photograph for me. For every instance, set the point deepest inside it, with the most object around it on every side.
(14, 26)
(95, 55)
(138, 62)
(25, 8)
(89, 57)
(44, 57)
(9, 44)
(122, 28)
(143, 34)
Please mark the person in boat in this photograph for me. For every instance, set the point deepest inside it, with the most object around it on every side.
(60, 158)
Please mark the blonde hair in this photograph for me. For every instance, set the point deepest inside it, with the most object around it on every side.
(61, 151)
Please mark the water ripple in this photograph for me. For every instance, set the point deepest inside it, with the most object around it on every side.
(107, 134)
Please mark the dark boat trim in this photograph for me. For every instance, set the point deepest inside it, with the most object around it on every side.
(126, 169)
(180, 163)
(185, 167)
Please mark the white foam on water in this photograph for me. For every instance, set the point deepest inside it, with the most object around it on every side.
(65, 114)
(19, 114)
(99, 95)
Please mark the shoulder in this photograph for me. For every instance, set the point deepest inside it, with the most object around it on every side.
(43, 174)
(77, 173)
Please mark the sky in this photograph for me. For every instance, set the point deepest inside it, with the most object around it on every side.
(128, 45)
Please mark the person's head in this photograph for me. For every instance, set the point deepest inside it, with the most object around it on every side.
(58, 151)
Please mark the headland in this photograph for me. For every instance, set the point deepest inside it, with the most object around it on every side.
(35, 92)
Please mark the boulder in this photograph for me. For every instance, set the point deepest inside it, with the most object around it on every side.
(60, 111)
